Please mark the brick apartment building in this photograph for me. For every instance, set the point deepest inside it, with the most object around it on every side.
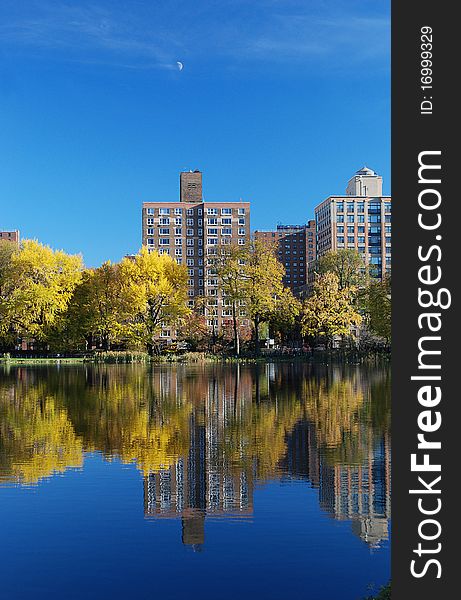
(10, 236)
(296, 247)
(193, 231)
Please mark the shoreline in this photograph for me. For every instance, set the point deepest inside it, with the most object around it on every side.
(346, 357)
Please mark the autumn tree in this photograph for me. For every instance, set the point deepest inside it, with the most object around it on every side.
(348, 266)
(230, 268)
(37, 285)
(329, 311)
(261, 282)
(377, 303)
(284, 319)
(99, 310)
(155, 287)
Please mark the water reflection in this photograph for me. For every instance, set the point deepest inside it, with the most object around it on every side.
(205, 436)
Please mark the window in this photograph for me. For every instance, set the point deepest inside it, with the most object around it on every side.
(190, 252)
(241, 231)
(189, 232)
(190, 211)
(387, 207)
(164, 231)
(212, 221)
(150, 242)
(340, 229)
(164, 241)
(350, 207)
(163, 211)
(189, 242)
(190, 262)
(388, 219)
(226, 221)
(339, 207)
(150, 231)
(350, 239)
(178, 221)
(150, 211)
(179, 261)
(361, 229)
(361, 218)
(212, 211)
(178, 231)
(340, 219)
(212, 241)
(178, 211)
(241, 211)
(350, 229)
(150, 221)
(241, 242)
(190, 282)
(212, 231)
(242, 221)
(350, 218)
(226, 211)
(340, 239)
(374, 218)
(361, 207)
(164, 221)
(166, 333)
(178, 251)
(388, 229)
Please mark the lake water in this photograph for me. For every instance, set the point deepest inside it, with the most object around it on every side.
(206, 481)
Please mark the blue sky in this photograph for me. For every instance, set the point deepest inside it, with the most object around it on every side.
(279, 103)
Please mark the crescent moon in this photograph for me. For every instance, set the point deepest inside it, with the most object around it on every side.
(180, 65)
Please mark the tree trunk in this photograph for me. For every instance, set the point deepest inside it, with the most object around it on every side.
(257, 349)
(236, 333)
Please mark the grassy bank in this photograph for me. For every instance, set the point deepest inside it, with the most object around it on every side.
(131, 357)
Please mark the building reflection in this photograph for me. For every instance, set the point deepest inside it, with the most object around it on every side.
(205, 437)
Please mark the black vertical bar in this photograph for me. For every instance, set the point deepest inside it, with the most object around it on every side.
(424, 120)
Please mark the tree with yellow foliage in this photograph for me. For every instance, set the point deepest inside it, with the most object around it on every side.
(329, 311)
(36, 286)
(261, 283)
(155, 288)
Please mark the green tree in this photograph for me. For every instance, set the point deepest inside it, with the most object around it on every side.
(348, 266)
(99, 309)
(377, 304)
(284, 319)
(329, 311)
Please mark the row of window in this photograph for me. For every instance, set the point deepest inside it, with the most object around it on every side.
(372, 207)
(190, 232)
(190, 222)
(361, 219)
(190, 211)
(361, 229)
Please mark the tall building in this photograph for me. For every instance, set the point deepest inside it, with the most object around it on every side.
(296, 249)
(11, 236)
(194, 232)
(360, 220)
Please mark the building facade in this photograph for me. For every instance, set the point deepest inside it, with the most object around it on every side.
(361, 220)
(193, 232)
(296, 248)
(10, 236)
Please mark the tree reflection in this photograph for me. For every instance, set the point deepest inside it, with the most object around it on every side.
(204, 436)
